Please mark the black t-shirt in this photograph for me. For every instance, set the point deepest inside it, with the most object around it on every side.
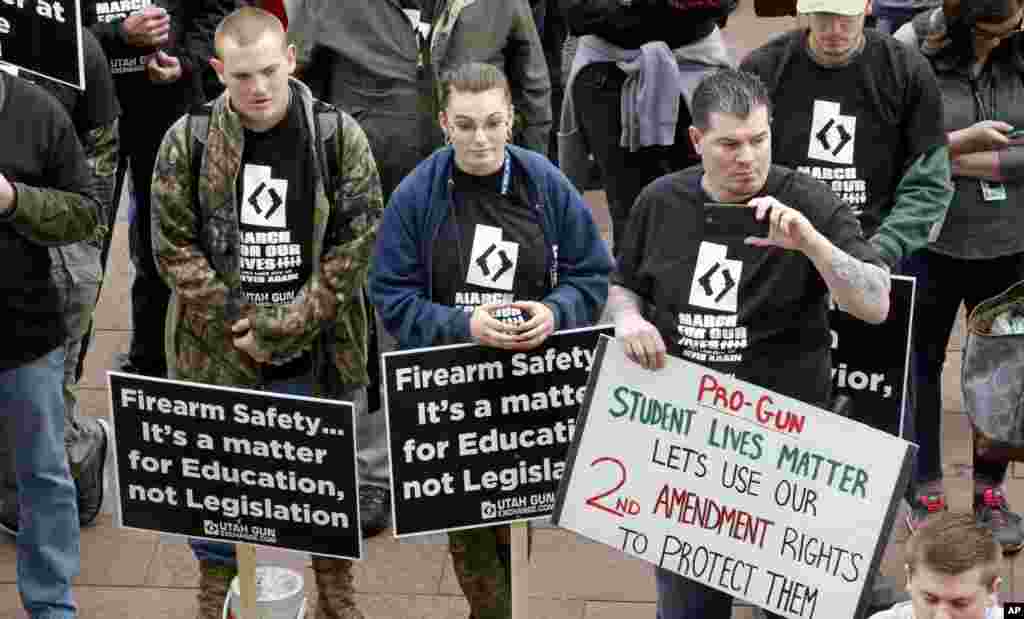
(275, 210)
(856, 127)
(491, 247)
(758, 313)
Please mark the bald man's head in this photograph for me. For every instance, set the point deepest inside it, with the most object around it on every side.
(247, 25)
(254, 62)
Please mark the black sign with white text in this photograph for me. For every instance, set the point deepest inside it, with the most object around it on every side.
(478, 435)
(870, 362)
(236, 465)
(44, 37)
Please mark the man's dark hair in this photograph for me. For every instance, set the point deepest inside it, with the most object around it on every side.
(728, 91)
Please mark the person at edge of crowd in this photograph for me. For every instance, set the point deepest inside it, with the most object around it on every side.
(159, 57)
(862, 113)
(814, 249)
(629, 91)
(314, 344)
(953, 565)
(977, 51)
(890, 15)
(77, 274)
(560, 279)
(379, 61)
(46, 200)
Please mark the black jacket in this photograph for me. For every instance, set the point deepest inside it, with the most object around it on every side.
(630, 25)
(44, 163)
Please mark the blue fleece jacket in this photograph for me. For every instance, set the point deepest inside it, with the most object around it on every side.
(578, 261)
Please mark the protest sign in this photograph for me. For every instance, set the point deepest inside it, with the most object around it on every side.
(764, 497)
(478, 435)
(870, 363)
(44, 37)
(236, 465)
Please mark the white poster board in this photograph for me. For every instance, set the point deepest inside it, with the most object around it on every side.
(764, 497)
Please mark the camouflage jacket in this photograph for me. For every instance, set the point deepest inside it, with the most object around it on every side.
(196, 251)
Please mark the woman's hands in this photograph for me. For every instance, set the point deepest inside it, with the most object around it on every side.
(490, 331)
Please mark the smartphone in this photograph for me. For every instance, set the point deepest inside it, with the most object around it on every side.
(724, 220)
(1016, 137)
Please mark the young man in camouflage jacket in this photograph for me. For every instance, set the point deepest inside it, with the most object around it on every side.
(221, 329)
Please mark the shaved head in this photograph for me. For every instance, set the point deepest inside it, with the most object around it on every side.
(246, 26)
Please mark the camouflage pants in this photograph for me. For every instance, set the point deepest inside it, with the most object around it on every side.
(482, 565)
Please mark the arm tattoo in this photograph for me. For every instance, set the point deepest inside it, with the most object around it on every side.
(870, 280)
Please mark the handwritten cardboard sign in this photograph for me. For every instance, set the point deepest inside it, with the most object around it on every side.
(764, 497)
(236, 465)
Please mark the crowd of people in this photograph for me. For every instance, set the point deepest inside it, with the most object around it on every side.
(399, 132)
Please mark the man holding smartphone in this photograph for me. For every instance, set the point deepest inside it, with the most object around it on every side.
(755, 306)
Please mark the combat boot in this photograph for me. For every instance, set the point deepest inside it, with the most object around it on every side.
(214, 581)
(482, 574)
(335, 594)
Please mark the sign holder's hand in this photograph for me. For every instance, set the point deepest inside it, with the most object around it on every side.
(487, 330)
(162, 68)
(641, 340)
(534, 331)
(149, 27)
(246, 341)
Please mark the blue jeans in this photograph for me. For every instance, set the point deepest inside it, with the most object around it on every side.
(682, 598)
(32, 403)
(222, 552)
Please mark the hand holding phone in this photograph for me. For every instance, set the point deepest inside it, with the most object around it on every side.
(725, 220)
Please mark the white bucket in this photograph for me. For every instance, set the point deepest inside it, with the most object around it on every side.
(279, 595)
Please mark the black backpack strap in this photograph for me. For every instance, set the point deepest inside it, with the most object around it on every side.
(329, 143)
(198, 128)
(328, 136)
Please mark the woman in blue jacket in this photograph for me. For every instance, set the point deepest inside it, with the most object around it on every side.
(485, 242)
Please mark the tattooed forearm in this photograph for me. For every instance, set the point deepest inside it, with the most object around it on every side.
(860, 288)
